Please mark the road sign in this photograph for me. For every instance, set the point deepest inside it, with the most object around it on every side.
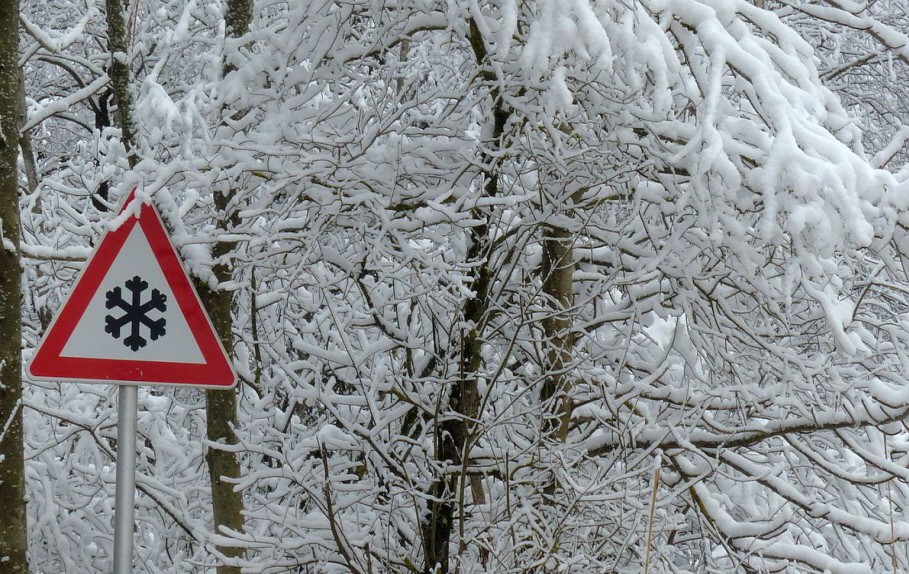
(133, 316)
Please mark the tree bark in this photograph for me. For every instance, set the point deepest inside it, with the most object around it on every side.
(455, 433)
(221, 409)
(221, 420)
(25, 138)
(13, 528)
(121, 76)
(558, 276)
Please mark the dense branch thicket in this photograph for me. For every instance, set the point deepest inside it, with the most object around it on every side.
(519, 287)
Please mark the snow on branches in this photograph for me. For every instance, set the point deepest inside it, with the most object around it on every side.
(519, 286)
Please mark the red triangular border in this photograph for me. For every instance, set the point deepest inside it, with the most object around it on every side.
(48, 364)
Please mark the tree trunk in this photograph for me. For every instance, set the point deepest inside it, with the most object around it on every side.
(221, 410)
(221, 419)
(25, 138)
(13, 531)
(455, 433)
(121, 76)
(558, 276)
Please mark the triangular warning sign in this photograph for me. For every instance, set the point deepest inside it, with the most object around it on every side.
(133, 317)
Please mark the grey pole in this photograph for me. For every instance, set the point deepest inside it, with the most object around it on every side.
(125, 501)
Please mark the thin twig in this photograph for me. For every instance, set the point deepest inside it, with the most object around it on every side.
(657, 462)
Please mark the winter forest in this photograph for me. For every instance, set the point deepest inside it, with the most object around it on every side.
(510, 286)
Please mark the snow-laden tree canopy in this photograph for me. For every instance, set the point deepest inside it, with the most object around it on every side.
(599, 286)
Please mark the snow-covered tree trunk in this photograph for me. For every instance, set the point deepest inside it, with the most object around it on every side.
(121, 75)
(25, 139)
(557, 271)
(458, 426)
(13, 532)
(221, 409)
(221, 420)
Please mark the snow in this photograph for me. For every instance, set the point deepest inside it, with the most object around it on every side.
(58, 106)
(726, 283)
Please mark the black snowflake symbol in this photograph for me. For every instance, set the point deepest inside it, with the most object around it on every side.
(135, 313)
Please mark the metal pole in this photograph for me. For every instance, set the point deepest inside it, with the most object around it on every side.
(125, 501)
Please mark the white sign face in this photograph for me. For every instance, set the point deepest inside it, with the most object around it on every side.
(133, 314)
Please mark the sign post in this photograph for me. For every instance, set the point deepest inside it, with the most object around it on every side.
(125, 500)
(132, 318)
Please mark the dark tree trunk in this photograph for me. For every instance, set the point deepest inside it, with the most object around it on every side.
(558, 282)
(455, 432)
(13, 531)
(25, 138)
(221, 414)
(121, 76)
(221, 410)
(221, 419)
